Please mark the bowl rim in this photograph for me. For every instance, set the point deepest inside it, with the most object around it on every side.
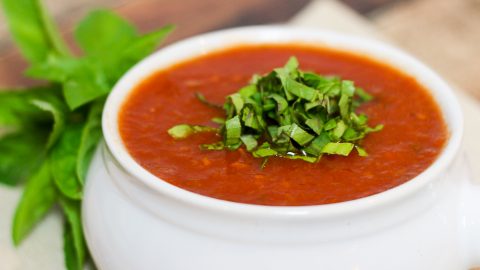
(222, 39)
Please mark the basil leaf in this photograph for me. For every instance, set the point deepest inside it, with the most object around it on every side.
(348, 88)
(249, 118)
(249, 141)
(283, 134)
(314, 104)
(330, 86)
(145, 44)
(248, 91)
(237, 101)
(316, 124)
(339, 130)
(218, 120)
(33, 30)
(269, 105)
(141, 47)
(38, 197)
(63, 161)
(336, 148)
(362, 94)
(300, 90)
(82, 79)
(102, 32)
(71, 259)
(316, 146)
(91, 134)
(17, 111)
(344, 106)
(75, 248)
(361, 152)
(331, 124)
(299, 135)
(290, 70)
(359, 120)
(352, 135)
(308, 159)
(183, 131)
(313, 80)
(374, 129)
(57, 69)
(21, 154)
(56, 108)
(281, 102)
(292, 65)
(233, 132)
(202, 99)
(264, 151)
(113, 44)
(213, 146)
(28, 114)
(85, 86)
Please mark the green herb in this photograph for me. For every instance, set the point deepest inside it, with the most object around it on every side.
(91, 134)
(63, 161)
(38, 198)
(202, 99)
(32, 30)
(48, 134)
(291, 114)
(74, 243)
(183, 131)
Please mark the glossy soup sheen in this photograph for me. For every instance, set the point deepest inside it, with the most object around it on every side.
(413, 136)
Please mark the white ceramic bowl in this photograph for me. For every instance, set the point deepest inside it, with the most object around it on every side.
(134, 220)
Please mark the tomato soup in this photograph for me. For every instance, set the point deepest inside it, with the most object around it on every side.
(414, 131)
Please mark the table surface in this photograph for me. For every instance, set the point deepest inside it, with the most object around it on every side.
(43, 249)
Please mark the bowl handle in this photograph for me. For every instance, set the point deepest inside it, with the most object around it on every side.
(471, 220)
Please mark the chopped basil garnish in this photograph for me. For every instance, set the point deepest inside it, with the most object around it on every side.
(183, 131)
(202, 99)
(291, 114)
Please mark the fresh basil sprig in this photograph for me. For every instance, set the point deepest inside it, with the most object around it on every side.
(291, 114)
(48, 134)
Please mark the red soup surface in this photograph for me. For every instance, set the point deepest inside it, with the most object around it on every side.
(413, 136)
